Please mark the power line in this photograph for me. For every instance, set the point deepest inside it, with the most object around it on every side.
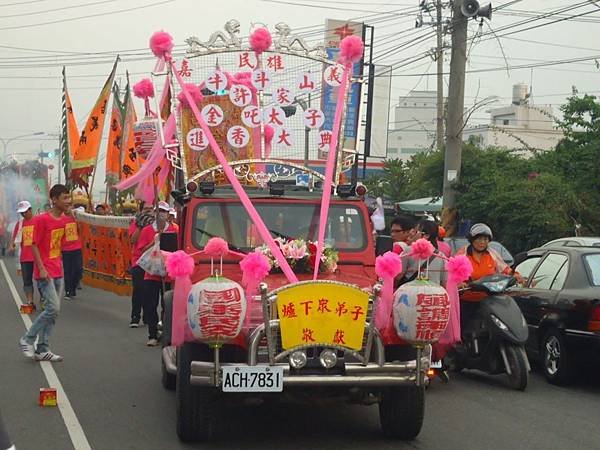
(35, 13)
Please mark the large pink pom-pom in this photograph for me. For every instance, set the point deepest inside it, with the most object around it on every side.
(255, 267)
(194, 91)
(269, 133)
(161, 44)
(388, 265)
(421, 249)
(351, 49)
(216, 247)
(179, 264)
(260, 40)
(144, 89)
(459, 268)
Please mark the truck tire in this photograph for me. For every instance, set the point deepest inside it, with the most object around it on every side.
(555, 358)
(167, 379)
(196, 405)
(519, 376)
(401, 411)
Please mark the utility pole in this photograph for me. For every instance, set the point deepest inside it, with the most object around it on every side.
(440, 77)
(454, 124)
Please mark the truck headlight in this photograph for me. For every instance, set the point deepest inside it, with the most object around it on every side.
(298, 359)
(328, 358)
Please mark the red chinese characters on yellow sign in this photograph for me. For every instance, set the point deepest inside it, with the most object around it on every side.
(321, 313)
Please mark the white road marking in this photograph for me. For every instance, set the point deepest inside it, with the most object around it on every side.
(76, 433)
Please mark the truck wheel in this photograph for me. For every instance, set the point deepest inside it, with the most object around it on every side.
(167, 379)
(519, 376)
(401, 411)
(196, 405)
(556, 361)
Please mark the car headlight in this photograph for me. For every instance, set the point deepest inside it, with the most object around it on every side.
(499, 323)
(298, 359)
(328, 358)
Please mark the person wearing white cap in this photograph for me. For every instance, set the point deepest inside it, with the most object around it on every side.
(23, 237)
(153, 285)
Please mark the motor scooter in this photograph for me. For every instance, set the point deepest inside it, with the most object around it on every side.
(494, 336)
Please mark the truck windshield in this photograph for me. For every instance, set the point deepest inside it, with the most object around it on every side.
(230, 221)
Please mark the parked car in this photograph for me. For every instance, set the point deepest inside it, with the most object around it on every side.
(560, 300)
(456, 243)
(586, 241)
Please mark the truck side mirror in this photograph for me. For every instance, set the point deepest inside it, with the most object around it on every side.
(383, 244)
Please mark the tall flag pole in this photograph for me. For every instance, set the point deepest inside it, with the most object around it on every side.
(86, 156)
(69, 138)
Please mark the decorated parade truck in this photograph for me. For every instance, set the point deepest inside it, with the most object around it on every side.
(280, 287)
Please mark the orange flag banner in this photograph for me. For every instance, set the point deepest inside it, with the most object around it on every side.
(130, 161)
(86, 155)
(73, 130)
(115, 138)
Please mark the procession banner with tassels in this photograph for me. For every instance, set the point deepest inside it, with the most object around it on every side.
(130, 161)
(115, 137)
(70, 131)
(86, 155)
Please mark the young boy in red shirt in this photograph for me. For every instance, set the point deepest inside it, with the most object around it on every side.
(48, 237)
(23, 236)
(71, 255)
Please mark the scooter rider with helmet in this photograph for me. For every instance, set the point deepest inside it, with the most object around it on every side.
(485, 261)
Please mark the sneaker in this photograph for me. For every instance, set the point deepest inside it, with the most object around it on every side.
(26, 348)
(67, 297)
(443, 375)
(134, 324)
(152, 342)
(48, 356)
(159, 325)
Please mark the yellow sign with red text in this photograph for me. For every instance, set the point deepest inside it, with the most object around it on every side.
(322, 314)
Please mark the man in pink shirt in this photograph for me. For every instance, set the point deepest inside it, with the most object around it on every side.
(71, 255)
(23, 236)
(48, 237)
(143, 218)
(153, 284)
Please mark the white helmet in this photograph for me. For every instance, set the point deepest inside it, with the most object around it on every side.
(480, 229)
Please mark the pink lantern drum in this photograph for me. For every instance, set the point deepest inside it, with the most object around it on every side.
(421, 311)
(216, 310)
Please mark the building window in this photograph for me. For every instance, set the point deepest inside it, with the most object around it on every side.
(506, 122)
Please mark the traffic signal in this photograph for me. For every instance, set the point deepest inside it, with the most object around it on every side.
(46, 154)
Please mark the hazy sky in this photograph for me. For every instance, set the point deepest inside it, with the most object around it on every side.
(33, 54)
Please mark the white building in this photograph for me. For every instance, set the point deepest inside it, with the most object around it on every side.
(518, 126)
(413, 129)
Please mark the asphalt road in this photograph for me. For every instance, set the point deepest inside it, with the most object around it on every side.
(112, 381)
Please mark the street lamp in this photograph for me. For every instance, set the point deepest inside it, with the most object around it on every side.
(5, 142)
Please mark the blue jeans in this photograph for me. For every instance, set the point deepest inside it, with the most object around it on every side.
(50, 293)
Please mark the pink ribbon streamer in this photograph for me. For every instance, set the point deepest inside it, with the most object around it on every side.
(330, 166)
(452, 332)
(180, 330)
(254, 216)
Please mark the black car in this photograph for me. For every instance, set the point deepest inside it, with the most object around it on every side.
(560, 301)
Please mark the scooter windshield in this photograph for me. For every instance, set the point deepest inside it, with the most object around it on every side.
(494, 284)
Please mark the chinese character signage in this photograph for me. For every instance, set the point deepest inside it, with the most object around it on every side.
(322, 314)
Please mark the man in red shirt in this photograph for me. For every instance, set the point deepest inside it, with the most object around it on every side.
(142, 219)
(23, 236)
(71, 255)
(48, 236)
(153, 284)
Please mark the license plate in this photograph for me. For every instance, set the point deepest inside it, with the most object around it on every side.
(436, 364)
(252, 379)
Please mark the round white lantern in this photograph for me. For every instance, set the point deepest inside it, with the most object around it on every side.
(216, 310)
(421, 311)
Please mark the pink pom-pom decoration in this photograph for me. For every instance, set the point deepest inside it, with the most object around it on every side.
(255, 266)
(161, 44)
(179, 264)
(194, 91)
(351, 49)
(269, 133)
(260, 40)
(244, 78)
(459, 268)
(421, 249)
(216, 247)
(388, 265)
(143, 89)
